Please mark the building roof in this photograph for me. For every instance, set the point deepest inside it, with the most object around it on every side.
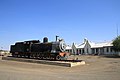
(82, 45)
(94, 45)
(102, 44)
(68, 47)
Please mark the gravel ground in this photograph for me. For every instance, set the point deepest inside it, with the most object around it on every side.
(96, 68)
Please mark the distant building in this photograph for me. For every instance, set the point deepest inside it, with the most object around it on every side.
(88, 47)
(3, 52)
(69, 49)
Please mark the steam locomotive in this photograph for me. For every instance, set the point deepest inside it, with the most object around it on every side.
(45, 50)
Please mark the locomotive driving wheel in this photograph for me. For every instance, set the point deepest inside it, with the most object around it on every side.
(58, 57)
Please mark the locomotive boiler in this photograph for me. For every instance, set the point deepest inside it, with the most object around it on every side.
(40, 50)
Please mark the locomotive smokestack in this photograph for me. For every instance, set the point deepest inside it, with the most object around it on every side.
(45, 40)
(57, 38)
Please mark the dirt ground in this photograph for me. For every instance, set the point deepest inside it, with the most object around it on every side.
(96, 68)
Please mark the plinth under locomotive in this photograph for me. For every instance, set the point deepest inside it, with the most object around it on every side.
(40, 50)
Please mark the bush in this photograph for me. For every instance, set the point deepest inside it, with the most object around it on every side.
(116, 44)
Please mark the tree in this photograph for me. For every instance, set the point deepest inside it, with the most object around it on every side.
(116, 44)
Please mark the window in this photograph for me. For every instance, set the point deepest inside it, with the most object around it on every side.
(93, 51)
(80, 51)
(87, 50)
(96, 50)
(107, 49)
(83, 50)
(77, 51)
(111, 49)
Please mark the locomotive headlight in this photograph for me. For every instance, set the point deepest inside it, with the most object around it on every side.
(62, 46)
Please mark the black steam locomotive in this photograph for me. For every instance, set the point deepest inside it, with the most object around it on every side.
(36, 49)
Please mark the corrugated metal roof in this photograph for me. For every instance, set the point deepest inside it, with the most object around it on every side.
(102, 44)
(92, 44)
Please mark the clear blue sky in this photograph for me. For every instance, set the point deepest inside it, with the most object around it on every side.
(72, 20)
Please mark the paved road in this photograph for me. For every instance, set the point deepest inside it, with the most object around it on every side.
(96, 68)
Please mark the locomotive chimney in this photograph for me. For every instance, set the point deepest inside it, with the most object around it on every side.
(57, 38)
(45, 40)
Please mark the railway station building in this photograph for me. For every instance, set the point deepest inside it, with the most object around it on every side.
(91, 48)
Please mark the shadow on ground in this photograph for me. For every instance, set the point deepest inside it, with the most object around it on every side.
(110, 56)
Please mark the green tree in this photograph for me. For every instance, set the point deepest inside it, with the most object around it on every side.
(116, 44)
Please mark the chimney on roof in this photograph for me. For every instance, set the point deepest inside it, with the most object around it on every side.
(85, 40)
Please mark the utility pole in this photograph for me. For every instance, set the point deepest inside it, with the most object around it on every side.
(117, 29)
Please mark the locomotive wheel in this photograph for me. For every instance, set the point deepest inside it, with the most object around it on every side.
(13, 54)
(58, 57)
(65, 56)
